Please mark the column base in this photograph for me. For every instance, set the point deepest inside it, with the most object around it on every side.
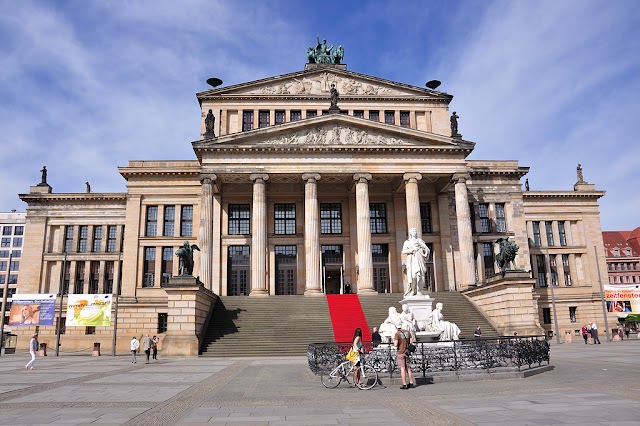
(367, 291)
(259, 293)
(313, 292)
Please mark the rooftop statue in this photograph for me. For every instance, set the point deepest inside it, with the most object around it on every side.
(579, 172)
(324, 54)
(454, 124)
(185, 256)
(507, 255)
(44, 175)
(209, 123)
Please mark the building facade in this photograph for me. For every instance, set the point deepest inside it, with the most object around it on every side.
(622, 249)
(12, 225)
(296, 190)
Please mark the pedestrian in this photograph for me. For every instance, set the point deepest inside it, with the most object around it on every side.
(589, 334)
(146, 347)
(33, 351)
(584, 333)
(627, 330)
(154, 347)
(594, 333)
(376, 339)
(135, 346)
(477, 332)
(357, 347)
(401, 340)
(620, 333)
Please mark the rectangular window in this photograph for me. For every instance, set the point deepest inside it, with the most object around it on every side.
(149, 267)
(68, 239)
(390, 117)
(263, 118)
(501, 219)
(14, 266)
(97, 239)
(536, 234)
(562, 234)
(16, 253)
(6, 230)
(567, 269)
(404, 119)
(542, 271)
(109, 276)
(94, 278)
(330, 218)
(239, 219)
(285, 219)
(296, 115)
(374, 115)
(79, 286)
(111, 238)
(169, 221)
(425, 218)
(66, 278)
(247, 121)
(2, 280)
(546, 315)
(6, 242)
(13, 279)
(358, 114)
(483, 213)
(163, 320)
(378, 218)
(312, 113)
(572, 313)
(3, 265)
(19, 230)
(167, 264)
(152, 221)
(90, 330)
(4, 254)
(553, 269)
(82, 241)
(549, 230)
(186, 221)
(489, 259)
(17, 242)
(280, 117)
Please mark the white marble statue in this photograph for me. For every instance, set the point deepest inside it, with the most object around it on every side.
(417, 254)
(389, 327)
(408, 321)
(448, 330)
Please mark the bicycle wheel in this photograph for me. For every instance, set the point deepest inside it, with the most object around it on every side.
(332, 379)
(368, 379)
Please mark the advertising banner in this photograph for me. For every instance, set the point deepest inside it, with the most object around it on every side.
(32, 309)
(93, 310)
(622, 299)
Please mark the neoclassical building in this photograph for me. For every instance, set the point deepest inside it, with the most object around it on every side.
(295, 191)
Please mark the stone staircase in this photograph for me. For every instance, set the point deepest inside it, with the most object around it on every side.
(285, 325)
(456, 308)
(260, 326)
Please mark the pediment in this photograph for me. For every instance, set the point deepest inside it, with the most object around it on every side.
(318, 83)
(336, 131)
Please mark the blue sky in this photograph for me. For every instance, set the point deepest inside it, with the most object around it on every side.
(87, 86)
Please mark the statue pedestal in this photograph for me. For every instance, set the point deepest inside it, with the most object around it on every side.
(190, 307)
(421, 307)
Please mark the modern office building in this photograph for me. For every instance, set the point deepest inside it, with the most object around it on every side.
(12, 225)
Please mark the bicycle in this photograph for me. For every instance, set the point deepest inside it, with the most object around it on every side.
(368, 375)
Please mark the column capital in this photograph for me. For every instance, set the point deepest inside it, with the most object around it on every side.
(362, 177)
(311, 177)
(461, 177)
(259, 177)
(410, 177)
(207, 178)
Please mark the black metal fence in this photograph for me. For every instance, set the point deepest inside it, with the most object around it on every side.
(459, 355)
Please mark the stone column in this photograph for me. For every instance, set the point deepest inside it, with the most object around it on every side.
(363, 224)
(413, 201)
(465, 239)
(312, 234)
(259, 236)
(205, 231)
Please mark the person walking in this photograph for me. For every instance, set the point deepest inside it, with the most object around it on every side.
(584, 333)
(146, 347)
(594, 333)
(33, 351)
(154, 347)
(401, 340)
(135, 346)
(627, 330)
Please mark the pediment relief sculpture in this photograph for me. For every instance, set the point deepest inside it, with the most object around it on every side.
(320, 84)
(336, 135)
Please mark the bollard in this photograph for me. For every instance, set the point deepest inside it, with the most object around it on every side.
(43, 349)
(96, 349)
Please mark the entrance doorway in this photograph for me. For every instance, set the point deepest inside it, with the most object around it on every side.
(332, 269)
(286, 282)
(380, 257)
(238, 267)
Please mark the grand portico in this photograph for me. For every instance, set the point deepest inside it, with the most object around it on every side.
(296, 190)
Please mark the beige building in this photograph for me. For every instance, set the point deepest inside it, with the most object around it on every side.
(290, 197)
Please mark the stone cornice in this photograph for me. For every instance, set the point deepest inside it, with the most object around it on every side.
(562, 194)
(74, 197)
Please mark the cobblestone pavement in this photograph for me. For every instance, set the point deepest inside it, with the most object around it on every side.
(590, 385)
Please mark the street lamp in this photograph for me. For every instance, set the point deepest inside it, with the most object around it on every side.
(62, 293)
(115, 304)
(4, 302)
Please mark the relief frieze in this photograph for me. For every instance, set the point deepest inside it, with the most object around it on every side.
(335, 135)
(321, 85)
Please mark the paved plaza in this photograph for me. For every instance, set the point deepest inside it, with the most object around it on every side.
(590, 385)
